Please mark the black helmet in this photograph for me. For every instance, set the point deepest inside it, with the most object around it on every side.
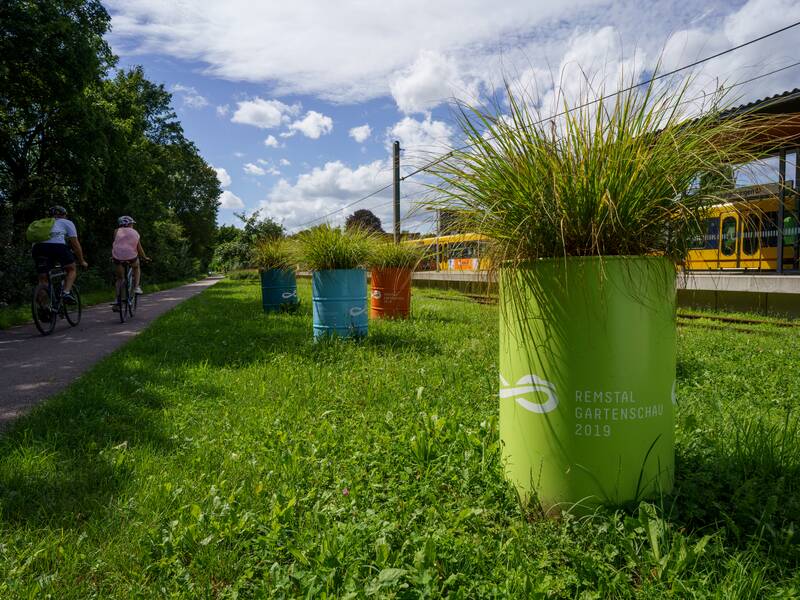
(57, 210)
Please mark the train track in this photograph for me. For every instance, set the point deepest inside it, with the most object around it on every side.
(719, 322)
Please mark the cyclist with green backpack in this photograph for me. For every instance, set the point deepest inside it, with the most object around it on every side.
(54, 241)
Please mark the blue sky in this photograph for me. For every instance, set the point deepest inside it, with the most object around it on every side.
(296, 104)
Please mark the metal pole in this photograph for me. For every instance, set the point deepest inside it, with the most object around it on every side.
(396, 161)
(438, 233)
(796, 186)
(781, 208)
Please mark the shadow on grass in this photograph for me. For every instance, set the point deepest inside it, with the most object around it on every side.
(746, 482)
(66, 461)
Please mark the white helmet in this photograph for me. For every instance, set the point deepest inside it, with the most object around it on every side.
(125, 221)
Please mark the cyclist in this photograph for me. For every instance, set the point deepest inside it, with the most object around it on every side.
(59, 249)
(127, 248)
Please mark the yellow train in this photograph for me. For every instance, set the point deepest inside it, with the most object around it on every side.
(741, 234)
(457, 252)
(744, 234)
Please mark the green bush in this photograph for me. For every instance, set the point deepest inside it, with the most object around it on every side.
(229, 256)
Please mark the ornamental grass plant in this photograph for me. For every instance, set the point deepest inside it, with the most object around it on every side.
(396, 256)
(324, 247)
(271, 254)
(617, 176)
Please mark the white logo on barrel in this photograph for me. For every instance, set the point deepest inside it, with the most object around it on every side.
(530, 384)
(376, 294)
(357, 310)
(286, 295)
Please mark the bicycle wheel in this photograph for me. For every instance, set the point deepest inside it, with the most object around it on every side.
(133, 298)
(73, 312)
(41, 307)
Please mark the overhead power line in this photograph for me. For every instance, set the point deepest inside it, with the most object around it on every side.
(622, 91)
(449, 154)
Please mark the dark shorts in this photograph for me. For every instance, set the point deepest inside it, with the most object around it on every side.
(132, 262)
(46, 256)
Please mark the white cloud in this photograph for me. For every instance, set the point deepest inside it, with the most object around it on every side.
(222, 111)
(313, 125)
(349, 51)
(190, 96)
(269, 168)
(264, 114)
(238, 154)
(272, 142)
(361, 133)
(222, 175)
(343, 51)
(421, 136)
(431, 80)
(252, 169)
(325, 189)
(284, 162)
(230, 200)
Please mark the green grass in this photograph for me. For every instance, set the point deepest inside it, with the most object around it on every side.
(20, 314)
(222, 454)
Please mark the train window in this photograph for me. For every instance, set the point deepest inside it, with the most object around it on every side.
(790, 230)
(712, 234)
(769, 230)
(728, 247)
(750, 234)
(769, 234)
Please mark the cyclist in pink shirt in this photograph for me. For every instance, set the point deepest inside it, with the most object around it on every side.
(127, 248)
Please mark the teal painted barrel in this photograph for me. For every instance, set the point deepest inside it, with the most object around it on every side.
(339, 300)
(278, 290)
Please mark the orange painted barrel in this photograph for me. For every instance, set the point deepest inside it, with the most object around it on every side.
(391, 293)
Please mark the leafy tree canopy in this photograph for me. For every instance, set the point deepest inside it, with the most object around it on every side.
(364, 219)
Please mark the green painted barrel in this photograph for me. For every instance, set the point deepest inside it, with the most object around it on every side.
(587, 374)
(278, 290)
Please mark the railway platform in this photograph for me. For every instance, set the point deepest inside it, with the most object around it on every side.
(763, 293)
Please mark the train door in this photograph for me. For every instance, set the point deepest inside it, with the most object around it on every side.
(729, 246)
(750, 241)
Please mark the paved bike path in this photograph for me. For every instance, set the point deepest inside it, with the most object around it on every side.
(34, 367)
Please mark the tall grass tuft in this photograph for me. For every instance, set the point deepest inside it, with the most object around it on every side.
(396, 256)
(617, 177)
(325, 247)
(274, 254)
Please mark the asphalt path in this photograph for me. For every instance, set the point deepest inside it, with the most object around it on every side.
(34, 367)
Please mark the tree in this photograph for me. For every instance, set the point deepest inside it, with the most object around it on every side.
(364, 219)
(51, 51)
(257, 229)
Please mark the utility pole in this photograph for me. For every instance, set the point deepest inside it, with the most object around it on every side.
(396, 163)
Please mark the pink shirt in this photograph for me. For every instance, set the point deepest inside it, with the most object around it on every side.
(125, 242)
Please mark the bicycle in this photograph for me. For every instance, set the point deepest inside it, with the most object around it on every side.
(46, 315)
(127, 300)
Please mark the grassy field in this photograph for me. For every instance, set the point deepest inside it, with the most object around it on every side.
(221, 454)
(19, 314)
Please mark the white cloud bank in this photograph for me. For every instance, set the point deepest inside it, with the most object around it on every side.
(324, 189)
(272, 142)
(422, 52)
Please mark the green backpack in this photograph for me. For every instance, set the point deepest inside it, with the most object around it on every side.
(39, 230)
